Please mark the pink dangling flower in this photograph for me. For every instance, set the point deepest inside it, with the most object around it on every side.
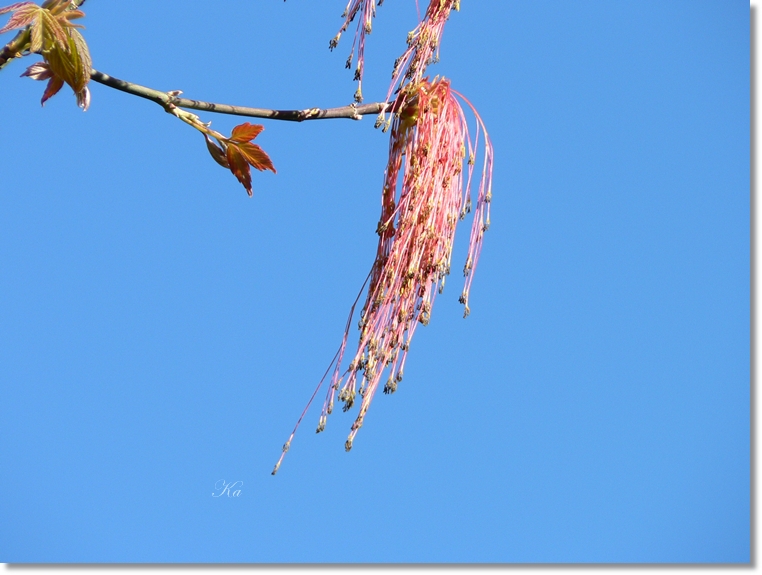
(367, 11)
(423, 42)
(425, 195)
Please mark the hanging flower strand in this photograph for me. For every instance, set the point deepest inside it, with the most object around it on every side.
(423, 44)
(425, 195)
(367, 10)
(429, 143)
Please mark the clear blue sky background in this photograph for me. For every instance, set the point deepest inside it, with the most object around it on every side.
(160, 331)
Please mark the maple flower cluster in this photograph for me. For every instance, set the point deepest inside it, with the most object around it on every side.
(425, 194)
(427, 191)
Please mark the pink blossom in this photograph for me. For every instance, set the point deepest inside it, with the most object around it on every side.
(367, 11)
(425, 195)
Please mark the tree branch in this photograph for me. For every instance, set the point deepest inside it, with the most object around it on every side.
(167, 100)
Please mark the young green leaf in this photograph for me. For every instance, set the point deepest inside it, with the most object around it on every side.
(53, 35)
(24, 14)
(41, 71)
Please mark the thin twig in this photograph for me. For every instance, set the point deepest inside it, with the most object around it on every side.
(14, 48)
(168, 99)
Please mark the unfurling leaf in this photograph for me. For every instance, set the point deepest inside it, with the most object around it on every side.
(246, 132)
(14, 7)
(41, 71)
(80, 57)
(54, 86)
(256, 157)
(47, 33)
(74, 64)
(48, 23)
(38, 71)
(24, 14)
(238, 154)
(58, 41)
(252, 153)
(239, 167)
(217, 153)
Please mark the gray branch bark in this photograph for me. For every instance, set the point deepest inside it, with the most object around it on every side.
(168, 99)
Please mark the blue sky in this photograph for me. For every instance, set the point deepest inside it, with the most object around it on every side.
(161, 331)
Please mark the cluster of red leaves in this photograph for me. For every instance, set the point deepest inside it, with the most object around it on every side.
(237, 153)
(66, 58)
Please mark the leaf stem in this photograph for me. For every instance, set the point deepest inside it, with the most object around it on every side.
(14, 48)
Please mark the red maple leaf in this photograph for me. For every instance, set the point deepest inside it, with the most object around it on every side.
(239, 155)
